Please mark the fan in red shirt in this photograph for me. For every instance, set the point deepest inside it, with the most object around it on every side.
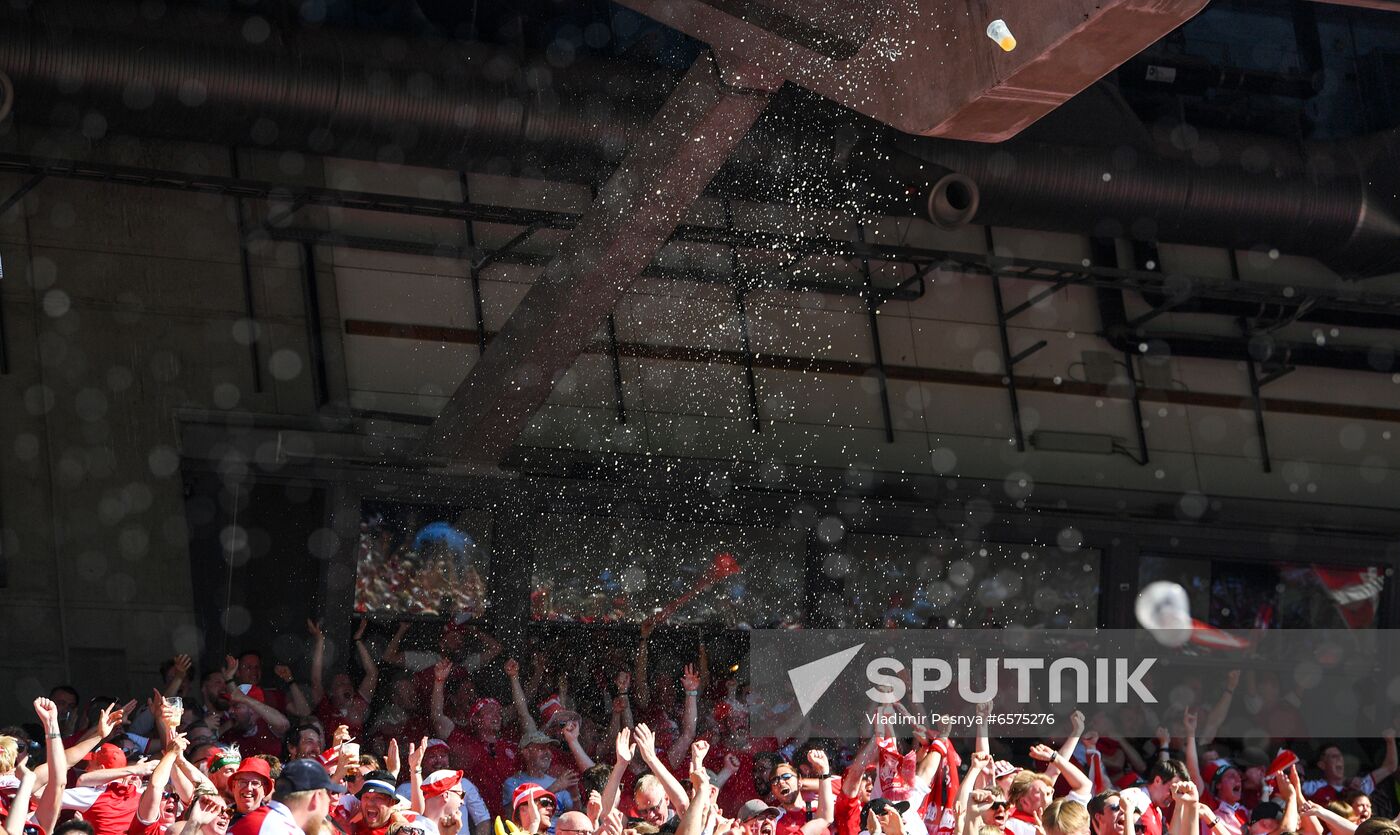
(254, 726)
(343, 703)
(478, 748)
(159, 807)
(251, 785)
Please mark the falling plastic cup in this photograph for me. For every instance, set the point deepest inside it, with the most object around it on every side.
(998, 31)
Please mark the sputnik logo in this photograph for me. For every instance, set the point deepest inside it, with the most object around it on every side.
(812, 679)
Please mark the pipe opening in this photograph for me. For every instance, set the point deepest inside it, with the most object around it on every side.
(953, 201)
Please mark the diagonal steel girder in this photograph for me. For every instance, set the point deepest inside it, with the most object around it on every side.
(635, 213)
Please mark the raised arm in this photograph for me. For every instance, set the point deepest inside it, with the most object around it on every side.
(51, 800)
(1186, 811)
(442, 726)
(275, 719)
(826, 803)
(296, 700)
(108, 719)
(1079, 782)
(1189, 722)
(393, 652)
(517, 698)
(371, 679)
(1076, 732)
(625, 751)
(148, 809)
(1334, 822)
(416, 751)
(980, 762)
(646, 749)
(581, 758)
(690, 685)
(855, 772)
(1387, 766)
(19, 804)
(1221, 708)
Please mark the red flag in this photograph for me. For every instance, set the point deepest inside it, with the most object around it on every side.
(1355, 591)
(1093, 760)
(1205, 635)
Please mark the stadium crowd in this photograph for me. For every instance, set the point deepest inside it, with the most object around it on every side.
(412, 742)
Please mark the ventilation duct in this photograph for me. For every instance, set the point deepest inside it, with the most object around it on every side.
(190, 73)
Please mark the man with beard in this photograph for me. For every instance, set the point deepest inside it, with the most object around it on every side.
(300, 800)
(250, 786)
(254, 726)
(220, 765)
(1161, 784)
(797, 818)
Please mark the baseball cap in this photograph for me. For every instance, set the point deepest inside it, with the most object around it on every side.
(105, 755)
(305, 775)
(379, 782)
(526, 792)
(535, 738)
(754, 808)
(441, 781)
(1268, 810)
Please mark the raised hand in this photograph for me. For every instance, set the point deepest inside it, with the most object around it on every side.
(183, 664)
(1232, 679)
(1163, 737)
(360, 636)
(698, 749)
(612, 824)
(624, 746)
(283, 672)
(567, 780)
(391, 758)
(1185, 792)
(594, 806)
(442, 669)
(47, 712)
(416, 754)
(108, 720)
(341, 735)
(571, 733)
(646, 741)
(204, 811)
(731, 763)
(1076, 723)
(817, 757)
(1042, 753)
(1189, 720)
(314, 627)
(449, 823)
(230, 668)
(981, 760)
(512, 668)
(623, 682)
(690, 679)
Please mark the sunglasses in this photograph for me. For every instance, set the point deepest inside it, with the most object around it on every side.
(998, 805)
(786, 775)
(545, 803)
(643, 811)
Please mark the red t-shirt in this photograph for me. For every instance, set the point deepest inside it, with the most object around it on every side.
(139, 828)
(847, 812)
(110, 809)
(331, 718)
(488, 765)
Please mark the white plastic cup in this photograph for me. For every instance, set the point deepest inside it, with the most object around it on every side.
(999, 32)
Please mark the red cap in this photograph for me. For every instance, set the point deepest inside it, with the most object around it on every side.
(480, 705)
(526, 792)
(255, 765)
(441, 781)
(106, 755)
